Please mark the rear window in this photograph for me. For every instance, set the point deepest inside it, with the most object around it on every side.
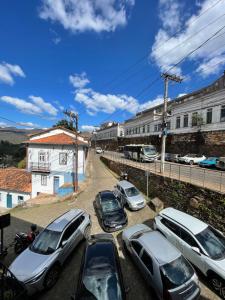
(100, 278)
(176, 273)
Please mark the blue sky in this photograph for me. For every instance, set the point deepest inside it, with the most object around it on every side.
(58, 54)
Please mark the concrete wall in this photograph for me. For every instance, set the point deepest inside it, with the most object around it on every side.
(207, 205)
(3, 197)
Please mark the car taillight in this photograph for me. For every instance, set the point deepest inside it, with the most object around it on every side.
(166, 295)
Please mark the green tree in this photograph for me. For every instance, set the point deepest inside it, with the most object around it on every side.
(65, 123)
(22, 164)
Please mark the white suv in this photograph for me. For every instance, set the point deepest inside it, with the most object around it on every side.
(191, 159)
(201, 244)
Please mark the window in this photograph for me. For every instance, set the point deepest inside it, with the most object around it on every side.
(168, 124)
(137, 247)
(148, 128)
(155, 128)
(63, 158)
(147, 261)
(185, 236)
(144, 129)
(170, 225)
(136, 130)
(209, 116)
(127, 132)
(71, 229)
(20, 199)
(42, 156)
(139, 130)
(222, 113)
(159, 127)
(43, 179)
(185, 120)
(178, 122)
(194, 119)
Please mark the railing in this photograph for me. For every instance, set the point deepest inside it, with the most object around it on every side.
(206, 178)
(40, 167)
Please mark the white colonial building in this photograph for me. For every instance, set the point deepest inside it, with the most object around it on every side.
(109, 131)
(51, 159)
(15, 187)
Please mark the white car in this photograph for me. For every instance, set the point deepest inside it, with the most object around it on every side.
(98, 150)
(200, 243)
(191, 159)
(161, 264)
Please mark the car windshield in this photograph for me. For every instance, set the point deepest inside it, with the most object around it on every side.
(46, 242)
(149, 150)
(211, 158)
(213, 242)
(132, 191)
(110, 205)
(176, 273)
(100, 278)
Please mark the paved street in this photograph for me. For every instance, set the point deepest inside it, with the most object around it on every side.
(100, 178)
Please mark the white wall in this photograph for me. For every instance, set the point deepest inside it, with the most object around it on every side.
(3, 197)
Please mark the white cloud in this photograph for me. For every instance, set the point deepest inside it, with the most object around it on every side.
(39, 106)
(45, 106)
(181, 95)
(87, 15)
(8, 71)
(79, 81)
(151, 103)
(3, 124)
(167, 53)
(212, 66)
(169, 14)
(89, 128)
(29, 124)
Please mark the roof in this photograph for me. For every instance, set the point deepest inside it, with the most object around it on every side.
(50, 129)
(191, 223)
(125, 184)
(61, 222)
(156, 244)
(13, 179)
(58, 139)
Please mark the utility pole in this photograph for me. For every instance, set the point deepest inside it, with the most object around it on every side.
(166, 77)
(74, 120)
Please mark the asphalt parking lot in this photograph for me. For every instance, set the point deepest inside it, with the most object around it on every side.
(100, 178)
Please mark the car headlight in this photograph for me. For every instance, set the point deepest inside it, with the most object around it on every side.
(36, 277)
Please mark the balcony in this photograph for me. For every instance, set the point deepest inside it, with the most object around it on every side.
(40, 167)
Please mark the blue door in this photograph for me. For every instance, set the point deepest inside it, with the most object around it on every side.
(9, 201)
(56, 184)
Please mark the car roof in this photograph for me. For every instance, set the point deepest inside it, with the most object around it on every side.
(107, 194)
(159, 247)
(125, 184)
(191, 223)
(61, 222)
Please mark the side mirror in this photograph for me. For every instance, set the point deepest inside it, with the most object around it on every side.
(63, 244)
(196, 250)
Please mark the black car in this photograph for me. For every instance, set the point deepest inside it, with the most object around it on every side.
(100, 273)
(110, 211)
(10, 287)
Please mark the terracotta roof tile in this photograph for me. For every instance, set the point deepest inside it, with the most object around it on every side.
(14, 179)
(58, 139)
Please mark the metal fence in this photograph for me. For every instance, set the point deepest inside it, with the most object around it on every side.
(206, 178)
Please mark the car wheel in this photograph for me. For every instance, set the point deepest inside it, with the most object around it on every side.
(87, 232)
(51, 277)
(191, 162)
(218, 284)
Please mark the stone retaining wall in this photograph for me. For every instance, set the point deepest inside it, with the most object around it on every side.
(202, 203)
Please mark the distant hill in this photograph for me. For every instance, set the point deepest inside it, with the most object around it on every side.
(16, 135)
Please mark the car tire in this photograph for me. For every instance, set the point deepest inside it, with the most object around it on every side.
(51, 277)
(191, 162)
(87, 232)
(218, 284)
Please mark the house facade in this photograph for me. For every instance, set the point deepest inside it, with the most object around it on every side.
(51, 159)
(15, 187)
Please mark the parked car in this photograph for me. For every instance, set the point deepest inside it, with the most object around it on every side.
(191, 159)
(209, 162)
(200, 243)
(161, 264)
(172, 157)
(110, 211)
(100, 274)
(130, 195)
(10, 287)
(98, 150)
(221, 163)
(38, 267)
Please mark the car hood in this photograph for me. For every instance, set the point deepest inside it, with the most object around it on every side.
(136, 199)
(210, 162)
(115, 217)
(28, 264)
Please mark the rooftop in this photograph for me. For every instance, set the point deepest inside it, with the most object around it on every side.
(159, 246)
(60, 223)
(57, 139)
(191, 223)
(13, 179)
